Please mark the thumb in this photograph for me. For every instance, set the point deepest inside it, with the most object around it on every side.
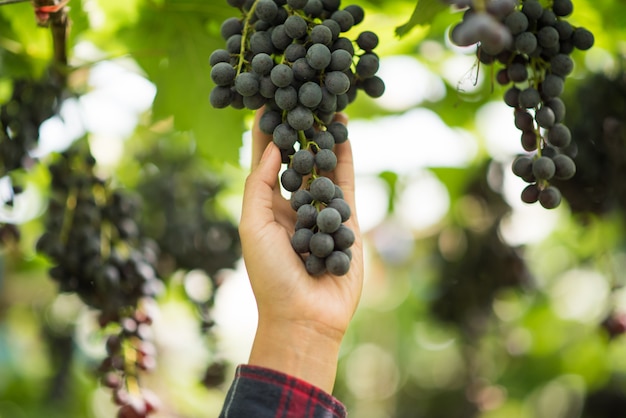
(259, 188)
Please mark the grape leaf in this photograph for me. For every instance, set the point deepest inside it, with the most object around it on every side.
(425, 11)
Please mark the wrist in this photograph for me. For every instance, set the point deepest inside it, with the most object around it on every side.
(300, 349)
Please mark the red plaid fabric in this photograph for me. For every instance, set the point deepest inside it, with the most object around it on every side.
(257, 392)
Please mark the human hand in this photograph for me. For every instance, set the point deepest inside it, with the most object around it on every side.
(302, 318)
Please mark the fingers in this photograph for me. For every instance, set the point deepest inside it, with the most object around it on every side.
(258, 194)
(259, 139)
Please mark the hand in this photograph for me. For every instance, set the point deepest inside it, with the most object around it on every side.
(302, 319)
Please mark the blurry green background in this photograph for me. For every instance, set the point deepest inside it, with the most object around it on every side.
(475, 305)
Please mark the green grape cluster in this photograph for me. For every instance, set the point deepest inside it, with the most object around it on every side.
(532, 43)
(290, 56)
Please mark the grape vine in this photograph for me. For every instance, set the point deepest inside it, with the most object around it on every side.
(289, 56)
(533, 42)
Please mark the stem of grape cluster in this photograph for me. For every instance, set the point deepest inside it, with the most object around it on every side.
(244, 35)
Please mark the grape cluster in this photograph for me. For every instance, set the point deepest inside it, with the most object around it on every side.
(290, 56)
(30, 104)
(128, 352)
(99, 253)
(533, 42)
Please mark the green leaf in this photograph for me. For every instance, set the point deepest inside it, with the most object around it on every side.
(424, 13)
(175, 59)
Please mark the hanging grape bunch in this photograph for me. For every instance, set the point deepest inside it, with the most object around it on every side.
(99, 253)
(289, 56)
(533, 42)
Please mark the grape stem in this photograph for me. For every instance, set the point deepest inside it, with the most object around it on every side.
(244, 36)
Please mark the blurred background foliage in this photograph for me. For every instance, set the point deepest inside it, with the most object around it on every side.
(475, 305)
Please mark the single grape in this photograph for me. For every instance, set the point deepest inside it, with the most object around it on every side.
(322, 189)
(285, 136)
(262, 64)
(315, 266)
(333, 26)
(357, 12)
(532, 9)
(231, 26)
(517, 72)
(223, 74)
(548, 37)
(583, 39)
(530, 194)
(301, 239)
(562, 7)
(295, 51)
(324, 140)
(522, 166)
(529, 98)
(246, 84)
(543, 168)
(300, 118)
(331, 5)
(545, 117)
(221, 97)
(564, 28)
(219, 55)
(266, 10)
(565, 167)
(368, 65)
(338, 263)
(550, 197)
(281, 75)
(303, 161)
(529, 140)
(558, 107)
(307, 215)
(318, 56)
(310, 94)
(325, 160)
(374, 87)
(286, 98)
(254, 102)
(342, 207)
(321, 244)
(267, 88)
(559, 135)
(299, 198)
(526, 42)
(367, 41)
(523, 120)
(511, 96)
(269, 121)
(548, 18)
(321, 34)
(337, 82)
(302, 70)
(291, 180)
(344, 18)
(516, 22)
(344, 44)
(338, 131)
(295, 27)
(343, 237)
(338, 193)
(328, 220)
(261, 42)
(561, 65)
(280, 39)
(340, 60)
(314, 8)
(552, 86)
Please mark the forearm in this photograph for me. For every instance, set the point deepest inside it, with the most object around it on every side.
(298, 349)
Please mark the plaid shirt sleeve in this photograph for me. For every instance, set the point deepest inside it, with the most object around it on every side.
(257, 392)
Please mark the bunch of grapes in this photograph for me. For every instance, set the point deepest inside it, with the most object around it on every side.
(31, 103)
(533, 42)
(289, 56)
(99, 253)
